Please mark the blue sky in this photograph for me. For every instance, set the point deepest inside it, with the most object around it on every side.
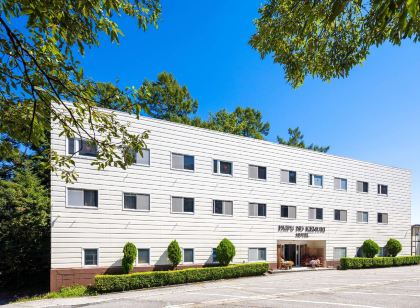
(373, 115)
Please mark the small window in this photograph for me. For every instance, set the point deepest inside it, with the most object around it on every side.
(382, 190)
(82, 147)
(182, 205)
(288, 211)
(382, 218)
(257, 210)
(362, 217)
(143, 256)
(316, 180)
(222, 167)
(315, 213)
(340, 215)
(382, 252)
(362, 186)
(339, 252)
(221, 207)
(257, 254)
(214, 255)
(90, 256)
(359, 252)
(257, 172)
(288, 176)
(143, 158)
(188, 255)
(182, 162)
(139, 202)
(340, 184)
(82, 197)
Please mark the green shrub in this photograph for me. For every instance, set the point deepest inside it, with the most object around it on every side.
(370, 248)
(225, 252)
(112, 283)
(356, 263)
(130, 254)
(393, 247)
(174, 253)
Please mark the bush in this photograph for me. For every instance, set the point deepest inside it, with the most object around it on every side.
(393, 247)
(174, 253)
(112, 283)
(370, 248)
(130, 254)
(225, 252)
(356, 263)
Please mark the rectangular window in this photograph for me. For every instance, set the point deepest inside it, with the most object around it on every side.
(82, 147)
(182, 205)
(183, 162)
(82, 197)
(316, 180)
(362, 216)
(221, 207)
(143, 256)
(143, 158)
(222, 167)
(383, 190)
(90, 256)
(362, 186)
(340, 184)
(257, 254)
(257, 210)
(315, 213)
(340, 215)
(288, 176)
(288, 211)
(339, 252)
(257, 172)
(382, 252)
(359, 253)
(382, 218)
(188, 255)
(139, 202)
(214, 255)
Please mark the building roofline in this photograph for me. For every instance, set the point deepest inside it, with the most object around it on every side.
(251, 139)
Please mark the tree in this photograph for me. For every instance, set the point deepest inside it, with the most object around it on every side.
(225, 252)
(130, 254)
(296, 140)
(40, 42)
(174, 253)
(166, 99)
(370, 248)
(393, 247)
(328, 38)
(24, 230)
(242, 121)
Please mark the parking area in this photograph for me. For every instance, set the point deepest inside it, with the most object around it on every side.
(388, 287)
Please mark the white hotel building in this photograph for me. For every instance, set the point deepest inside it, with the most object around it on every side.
(199, 186)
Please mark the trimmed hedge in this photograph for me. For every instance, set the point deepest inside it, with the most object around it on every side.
(355, 263)
(112, 283)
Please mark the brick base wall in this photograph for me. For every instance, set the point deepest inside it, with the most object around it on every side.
(64, 277)
(333, 263)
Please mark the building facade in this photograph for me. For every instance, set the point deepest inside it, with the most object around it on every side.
(199, 186)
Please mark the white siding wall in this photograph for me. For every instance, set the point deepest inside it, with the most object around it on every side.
(109, 227)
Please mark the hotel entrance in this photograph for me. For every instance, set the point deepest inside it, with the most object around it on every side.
(301, 253)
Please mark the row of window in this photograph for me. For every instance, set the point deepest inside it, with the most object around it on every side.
(141, 202)
(91, 255)
(187, 162)
(254, 254)
(341, 252)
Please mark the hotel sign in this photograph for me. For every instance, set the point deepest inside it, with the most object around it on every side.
(301, 231)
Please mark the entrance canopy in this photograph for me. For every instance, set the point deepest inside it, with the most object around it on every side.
(301, 252)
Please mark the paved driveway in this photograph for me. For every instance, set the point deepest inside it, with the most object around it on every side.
(389, 287)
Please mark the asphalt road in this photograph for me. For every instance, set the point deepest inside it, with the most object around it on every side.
(388, 287)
